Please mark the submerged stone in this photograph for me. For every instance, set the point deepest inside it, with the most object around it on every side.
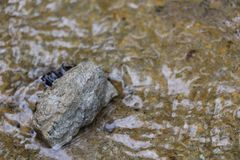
(72, 102)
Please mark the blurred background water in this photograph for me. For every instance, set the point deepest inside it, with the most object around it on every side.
(176, 64)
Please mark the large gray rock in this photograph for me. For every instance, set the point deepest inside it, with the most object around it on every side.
(72, 102)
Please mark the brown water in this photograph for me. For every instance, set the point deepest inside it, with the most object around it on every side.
(176, 62)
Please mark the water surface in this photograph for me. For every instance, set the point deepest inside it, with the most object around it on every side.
(176, 64)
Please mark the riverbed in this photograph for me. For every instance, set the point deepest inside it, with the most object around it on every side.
(174, 63)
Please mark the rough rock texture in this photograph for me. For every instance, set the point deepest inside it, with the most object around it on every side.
(72, 102)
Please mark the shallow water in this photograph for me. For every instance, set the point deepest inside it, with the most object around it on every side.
(176, 64)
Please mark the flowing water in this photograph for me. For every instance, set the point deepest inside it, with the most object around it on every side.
(175, 63)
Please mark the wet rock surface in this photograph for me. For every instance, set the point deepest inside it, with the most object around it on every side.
(72, 102)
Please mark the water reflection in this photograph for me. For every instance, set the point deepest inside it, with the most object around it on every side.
(176, 64)
(129, 142)
(151, 154)
(176, 85)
